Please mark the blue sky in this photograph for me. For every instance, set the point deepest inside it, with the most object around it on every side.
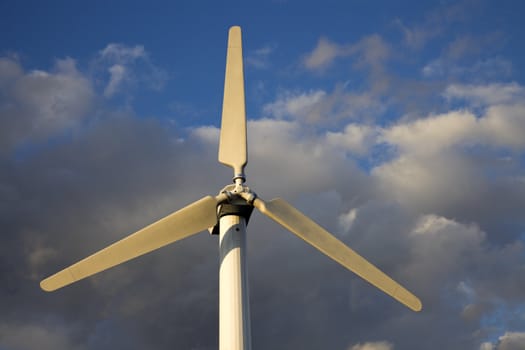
(398, 126)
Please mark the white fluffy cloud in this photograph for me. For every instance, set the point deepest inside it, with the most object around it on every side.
(440, 248)
(346, 220)
(433, 134)
(512, 341)
(428, 182)
(296, 105)
(321, 107)
(355, 138)
(499, 126)
(504, 126)
(483, 95)
(508, 341)
(436, 166)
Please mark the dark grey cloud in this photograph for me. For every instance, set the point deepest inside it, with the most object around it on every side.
(69, 202)
(37, 104)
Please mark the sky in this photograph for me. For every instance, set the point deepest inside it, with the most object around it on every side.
(397, 126)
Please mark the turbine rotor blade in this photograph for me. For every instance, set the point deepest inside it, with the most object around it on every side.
(187, 221)
(302, 226)
(232, 144)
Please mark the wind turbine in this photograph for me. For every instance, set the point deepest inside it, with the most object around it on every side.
(227, 214)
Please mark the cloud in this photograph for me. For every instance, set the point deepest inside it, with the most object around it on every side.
(468, 45)
(323, 108)
(10, 70)
(435, 23)
(417, 36)
(440, 248)
(429, 183)
(481, 71)
(21, 337)
(295, 104)
(372, 87)
(373, 51)
(383, 345)
(487, 94)
(366, 96)
(323, 54)
(511, 341)
(457, 164)
(508, 341)
(283, 160)
(486, 346)
(346, 221)
(472, 58)
(369, 51)
(117, 76)
(433, 134)
(122, 53)
(437, 169)
(260, 58)
(355, 138)
(499, 125)
(128, 66)
(435, 68)
(504, 126)
(38, 104)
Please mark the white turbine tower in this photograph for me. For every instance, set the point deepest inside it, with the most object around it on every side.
(227, 214)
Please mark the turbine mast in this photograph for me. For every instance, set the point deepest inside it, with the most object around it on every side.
(234, 308)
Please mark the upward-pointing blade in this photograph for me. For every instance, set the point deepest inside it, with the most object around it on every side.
(189, 220)
(232, 145)
(299, 224)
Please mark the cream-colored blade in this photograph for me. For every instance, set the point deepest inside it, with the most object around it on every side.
(289, 217)
(232, 144)
(192, 219)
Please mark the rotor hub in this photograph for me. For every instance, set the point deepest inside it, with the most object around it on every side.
(238, 200)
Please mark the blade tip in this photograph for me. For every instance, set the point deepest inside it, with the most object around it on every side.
(57, 281)
(235, 29)
(45, 285)
(416, 306)
(234, 35)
